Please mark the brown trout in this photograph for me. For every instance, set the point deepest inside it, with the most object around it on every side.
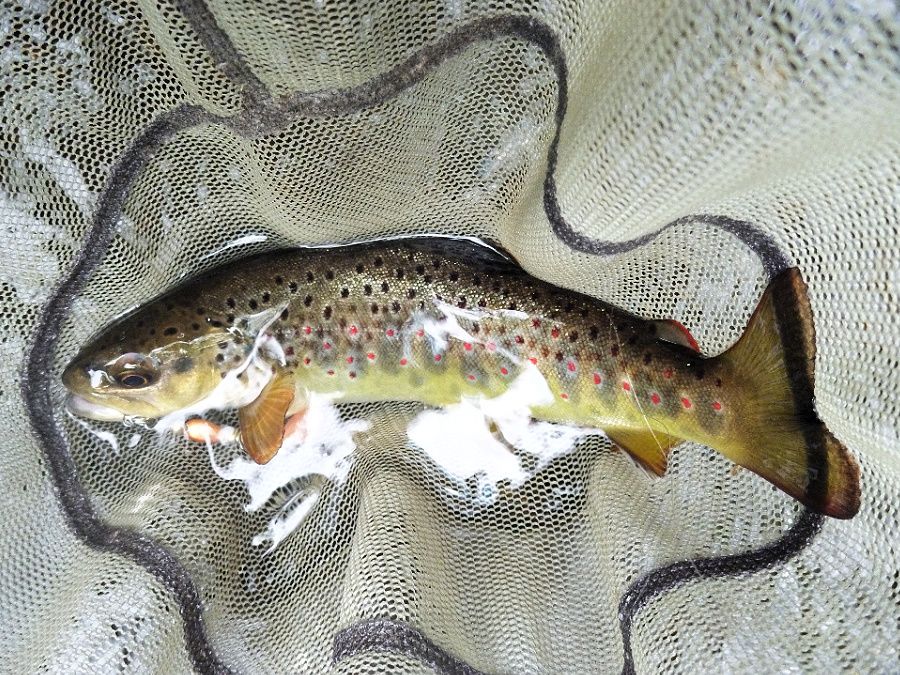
(437, 320)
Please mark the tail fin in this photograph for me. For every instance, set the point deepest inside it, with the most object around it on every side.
(784, 440)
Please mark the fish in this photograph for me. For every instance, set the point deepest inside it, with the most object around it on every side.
(438, 320)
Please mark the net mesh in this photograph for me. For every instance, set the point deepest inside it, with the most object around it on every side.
(665, 157)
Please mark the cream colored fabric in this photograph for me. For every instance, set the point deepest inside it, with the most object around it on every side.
(164, 139)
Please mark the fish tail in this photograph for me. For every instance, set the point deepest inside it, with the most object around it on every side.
(783, 440)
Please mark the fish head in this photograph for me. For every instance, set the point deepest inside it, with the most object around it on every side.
(117, 376)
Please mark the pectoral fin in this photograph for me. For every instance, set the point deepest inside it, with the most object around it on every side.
(649, 448)
(262, 420)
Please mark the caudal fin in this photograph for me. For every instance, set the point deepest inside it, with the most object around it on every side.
(784, 441)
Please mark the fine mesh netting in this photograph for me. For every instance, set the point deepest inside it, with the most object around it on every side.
(665, 157)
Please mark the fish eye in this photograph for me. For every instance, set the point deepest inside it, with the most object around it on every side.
(132, 371)
(133, 379)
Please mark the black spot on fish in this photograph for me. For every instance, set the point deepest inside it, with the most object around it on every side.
(310, 276)
(201, 311)
(266, 296)
(152, 331)
(278, 281)
(420, 269)
(520, 339)
(496, 287)
(570, 306)
(307, 301)
(230, 318)
(367, 289)
(648, 357)
(422, 306)
(436, 263)
(411, 293)
(559, 356)
(427, 278)
(482, 302)
(593, 333)
(396, 307)
(253, 304)
(326, 312)
(718, 382)
(700, 373)
(345, 292)
(220, 358)
(399, 273)
(633, 339)
(476, 328)
(476, 280)
(573, 336)
(545, 351)
(614, 350)
(513, 306)
(183, 364)
(378, 262)
(374, 308)
(342, 322)
(329, 274)
(462, 302)
(170, 331)
(535, 297)
(284, 315)
(293, 286)
(216, 324)
(222, 345)
(384, 287)
(359, 269)
(195, 326)
(454, 276)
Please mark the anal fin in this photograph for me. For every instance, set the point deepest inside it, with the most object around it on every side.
(262, 420)
(649, 448)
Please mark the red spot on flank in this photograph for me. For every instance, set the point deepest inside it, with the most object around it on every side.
(571, 367)
(468, 346)
(565, 396)
(685, 403)
(420, 333)
(306, 362)
(289, 351)
(471, 377)
(327, 346)
(331, 372)
(533, 360)
(352, 374)
(655, 399)
(307, 330)
(492, 346)
(504, 371)
(555, 332)
(596, 378)
(520, 340)
(352, 330)
(668, 373)
(349, 359)
(437, 357)
(626, 386)
(536, 323)
(370, 355)
(390, 333)
(402, 362)
(717, 406)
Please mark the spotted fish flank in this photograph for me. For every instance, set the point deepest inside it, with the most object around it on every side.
(436, 320)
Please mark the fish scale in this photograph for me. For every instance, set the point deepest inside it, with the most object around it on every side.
(438, 320)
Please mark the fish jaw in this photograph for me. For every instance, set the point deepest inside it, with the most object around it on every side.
(82, 407)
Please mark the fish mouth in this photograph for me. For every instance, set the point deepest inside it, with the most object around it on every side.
(79, 405)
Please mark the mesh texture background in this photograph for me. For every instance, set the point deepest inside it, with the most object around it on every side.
(666, 157)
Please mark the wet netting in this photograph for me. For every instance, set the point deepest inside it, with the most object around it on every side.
(667, 157)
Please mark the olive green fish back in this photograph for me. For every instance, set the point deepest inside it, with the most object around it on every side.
(668, 158)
